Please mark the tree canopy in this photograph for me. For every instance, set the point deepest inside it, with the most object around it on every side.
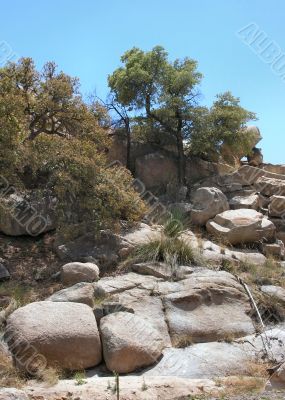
(50, 138)
(165, 96)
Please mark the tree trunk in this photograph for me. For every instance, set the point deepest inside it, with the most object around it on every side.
(181, 159)
(128, 156)
(180, 150)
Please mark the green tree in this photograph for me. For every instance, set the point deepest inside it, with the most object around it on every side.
(165, 97)
(51, 139)
(164, 92)
(219, 131)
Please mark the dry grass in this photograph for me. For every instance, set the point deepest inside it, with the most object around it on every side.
(271, 273)
(237, 385)
(9, 375)
(50, 376)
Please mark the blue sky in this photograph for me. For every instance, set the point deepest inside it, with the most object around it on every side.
(86, 39)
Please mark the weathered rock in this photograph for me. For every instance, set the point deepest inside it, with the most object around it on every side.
(156, 169)
(129, 342)
(203, 360)
(183, 209)
(102, 249)
(200, 313)
(276, 250)
(277, 293)
(77, 272)
(12, 394)
(277, 206)
(241, 226)
(207, 203)
(280, 228)
(157, 269)
(270, 344)
(54, 333)
(270, 186)
(112, 285)
(107, 248)
(247, 176)
(147, 307)
(79, 293)
(251, 202)
(28, 214)
(141, 234)
(215, 253)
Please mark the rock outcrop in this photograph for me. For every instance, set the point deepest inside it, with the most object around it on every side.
(207, 203)
(55, 334)
(78, 293)
(241, 226)
(27, 214)
(129, 342)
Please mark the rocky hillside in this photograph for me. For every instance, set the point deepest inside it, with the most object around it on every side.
(190, 308)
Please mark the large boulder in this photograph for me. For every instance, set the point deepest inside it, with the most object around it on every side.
(27, 214)
(207, 203)
(80, 293)
(129, 342)
(241, 226)
(77, 272)
(200, 312)
(53, 333)
(270, 186)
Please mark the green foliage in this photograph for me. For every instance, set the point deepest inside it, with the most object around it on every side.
(169, 248)
(165, 95)
(50, 139)
(220, 130)
(163, 92)
(80, 378)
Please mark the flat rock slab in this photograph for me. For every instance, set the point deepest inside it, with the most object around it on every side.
(251, 201)
(207, 360)
(111, 285)
(207, 313)
(79, 293)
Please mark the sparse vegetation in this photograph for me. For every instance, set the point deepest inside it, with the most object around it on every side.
(169, 248)
(79, 378)
(9, 375)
